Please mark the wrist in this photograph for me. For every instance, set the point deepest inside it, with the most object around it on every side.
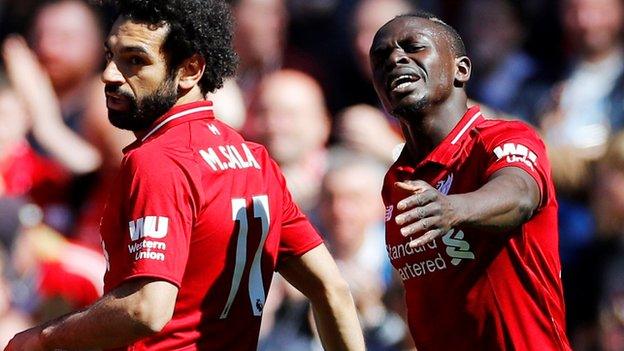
(461, 211)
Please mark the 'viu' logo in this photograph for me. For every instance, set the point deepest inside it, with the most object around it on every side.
(149, 226)
(516, 153)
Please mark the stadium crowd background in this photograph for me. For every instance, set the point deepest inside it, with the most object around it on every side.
(303, 90)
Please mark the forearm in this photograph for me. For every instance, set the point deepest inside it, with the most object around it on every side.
(105, 324)
(336, 321)
(73, 152)
(503, 203)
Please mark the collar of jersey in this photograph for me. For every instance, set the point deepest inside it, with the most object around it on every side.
(451, 147)
(176, 115)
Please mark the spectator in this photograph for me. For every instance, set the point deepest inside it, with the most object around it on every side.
(291, 120)
(259, 39)
(505, 77)
(351, 215)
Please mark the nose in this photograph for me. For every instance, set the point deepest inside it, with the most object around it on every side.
(397, 57)
(111, 74)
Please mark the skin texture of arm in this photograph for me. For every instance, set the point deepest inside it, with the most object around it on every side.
(136, 309)
(316, 275)
(31, 84)
(507, 200)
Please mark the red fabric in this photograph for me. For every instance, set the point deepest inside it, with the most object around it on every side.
(471, 290)
(24, 172)
(194, 213)
(57, 281)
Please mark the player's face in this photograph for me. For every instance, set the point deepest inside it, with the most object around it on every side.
(139, 84)
(412, 64)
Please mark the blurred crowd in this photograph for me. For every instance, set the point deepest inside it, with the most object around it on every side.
(303, 90)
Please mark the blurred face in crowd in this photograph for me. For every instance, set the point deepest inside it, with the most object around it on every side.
(13, 120)
(350, 205)
(139, 85)
(594, 26)
(291, 114)
(67, 40)
(493, 31)
(369, 17)
(413, 65)
(260, 30)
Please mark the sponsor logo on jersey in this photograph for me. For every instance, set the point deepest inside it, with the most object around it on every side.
(224, 157)
(410, 264)
(444, 186)
(155, 227)
(456, 247)
(516, 153)
(149, 226)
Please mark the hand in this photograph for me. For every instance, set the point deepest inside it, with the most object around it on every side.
(365, 129)
(29, 80)
(426, 211)
(28, 340)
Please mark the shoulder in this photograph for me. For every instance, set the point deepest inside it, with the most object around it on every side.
(495, 131)
(150, 158)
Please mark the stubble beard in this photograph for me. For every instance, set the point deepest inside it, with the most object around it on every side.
(405, 111)
(145, 111)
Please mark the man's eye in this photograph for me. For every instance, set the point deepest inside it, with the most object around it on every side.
(135, 60)
(413, 48)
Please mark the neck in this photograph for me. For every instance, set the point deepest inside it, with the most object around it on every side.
(426, 129)
(193, 95)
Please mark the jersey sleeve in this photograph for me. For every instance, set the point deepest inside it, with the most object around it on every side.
(515, 144)
(160, 212)
(298, 236)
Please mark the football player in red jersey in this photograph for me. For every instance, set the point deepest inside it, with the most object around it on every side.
(200, 218)
(471, 215)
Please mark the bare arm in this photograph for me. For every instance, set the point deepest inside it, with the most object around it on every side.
(134, 310)
(33, 86)
(316, 275)
(507, 200)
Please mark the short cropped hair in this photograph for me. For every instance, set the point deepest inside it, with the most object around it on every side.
(202, 27)
(457, 44)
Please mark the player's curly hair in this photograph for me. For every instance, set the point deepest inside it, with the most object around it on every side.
(195, 26)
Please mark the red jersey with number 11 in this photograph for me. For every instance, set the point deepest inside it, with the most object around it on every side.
(470, 289)
(198, 206)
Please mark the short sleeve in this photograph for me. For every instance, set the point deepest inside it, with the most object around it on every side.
(515, 144)
(297, 236)
(159, 210)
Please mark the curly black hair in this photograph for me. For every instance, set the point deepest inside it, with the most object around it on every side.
(195, 26)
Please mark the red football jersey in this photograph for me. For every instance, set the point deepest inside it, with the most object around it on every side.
(472, 290)
(198, 206)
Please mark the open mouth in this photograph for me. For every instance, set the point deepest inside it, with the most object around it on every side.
(402, 82)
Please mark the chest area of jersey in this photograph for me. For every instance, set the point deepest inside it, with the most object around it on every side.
(447, 254)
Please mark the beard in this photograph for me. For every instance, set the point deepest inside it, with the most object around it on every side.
(143, 112)
(407, 110)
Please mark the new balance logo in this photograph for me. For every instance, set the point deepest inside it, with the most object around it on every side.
(149, 227)
(389, 210)
(516, 153)
(456, 247)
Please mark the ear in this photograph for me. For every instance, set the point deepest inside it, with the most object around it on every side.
(463, 69)
(190, 71)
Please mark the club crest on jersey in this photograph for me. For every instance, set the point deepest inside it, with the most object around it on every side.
(516, 153)
(148, 227)
(444, 186)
